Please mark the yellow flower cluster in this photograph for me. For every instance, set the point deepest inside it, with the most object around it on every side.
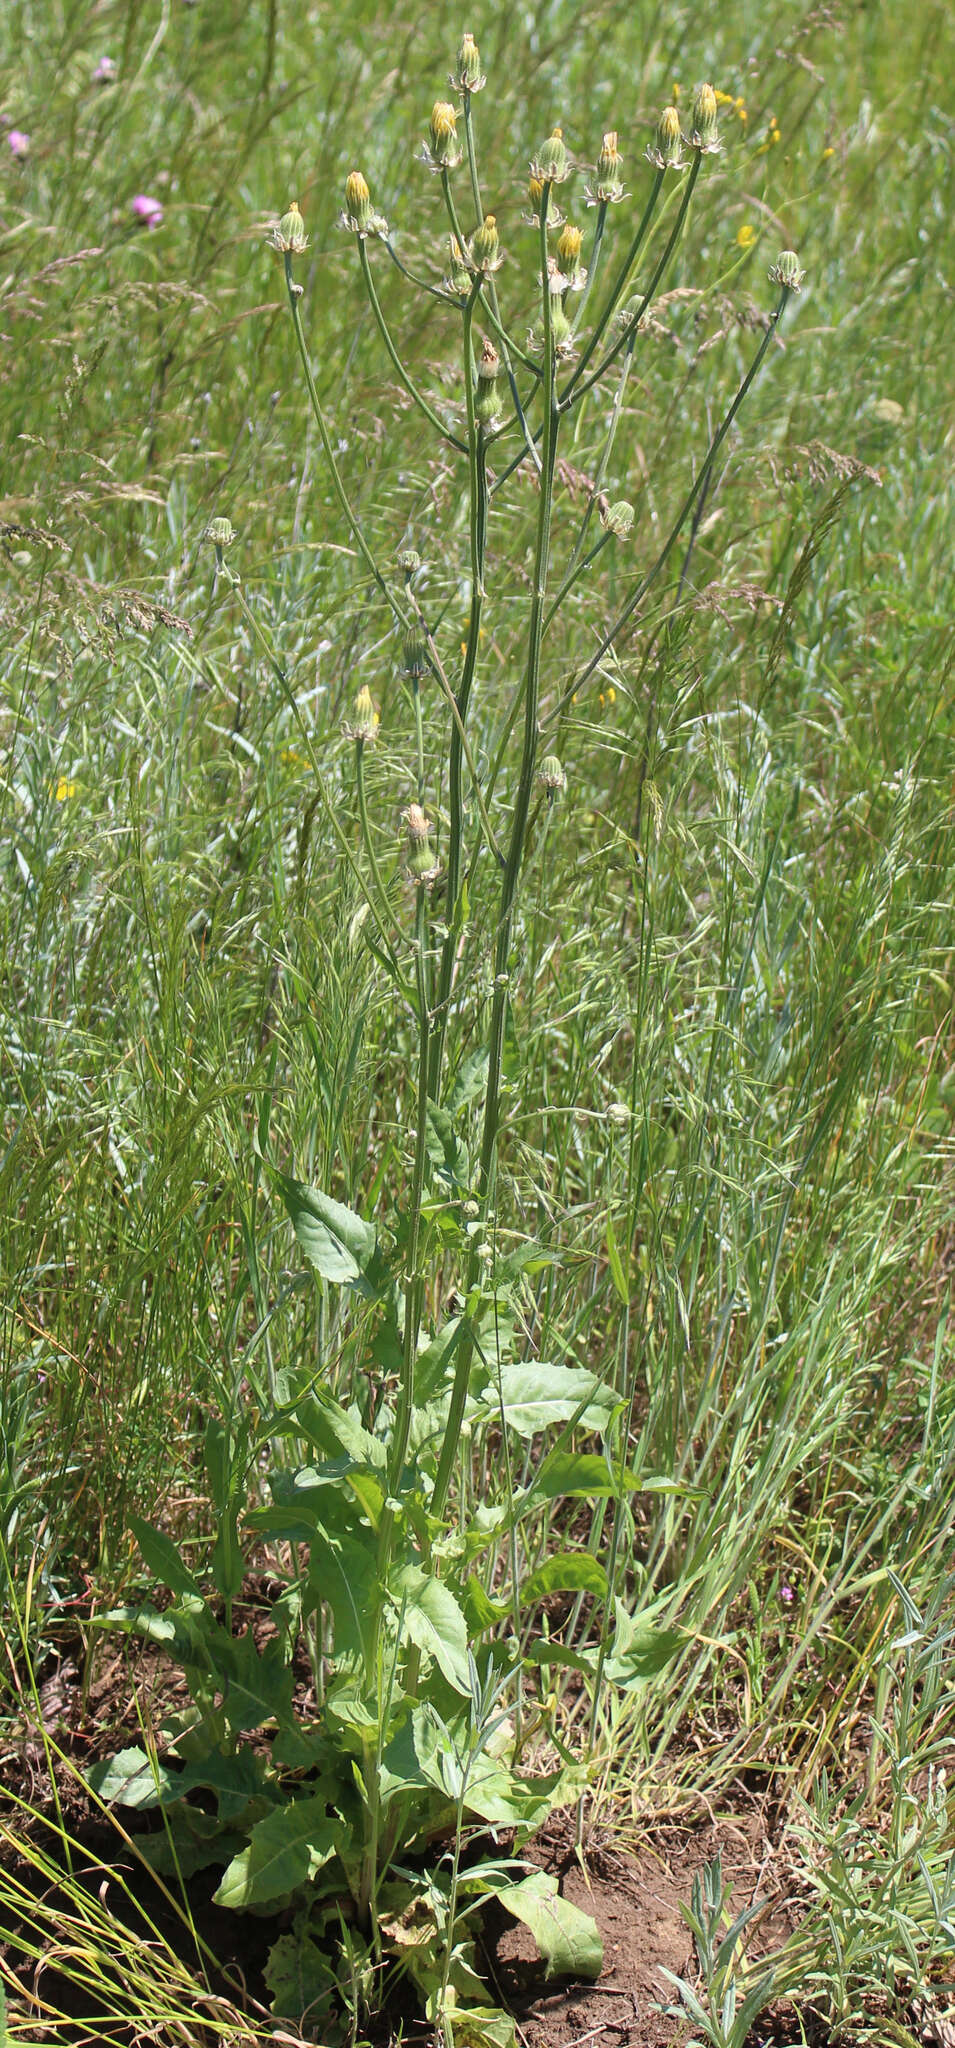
(736, 103)
(771, 137)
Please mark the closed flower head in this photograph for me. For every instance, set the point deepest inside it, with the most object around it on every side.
(703, 127)
(608, 171)
(289, 238)
(443, 131)
(666, 149)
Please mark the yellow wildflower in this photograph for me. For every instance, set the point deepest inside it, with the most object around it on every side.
(63, 789)
(746, 235)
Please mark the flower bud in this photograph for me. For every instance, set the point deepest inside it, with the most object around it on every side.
(561, 331)
(608, 178)
(363, 726)
(221, 532)
(666, 150)
(553, 778)
(788, 272)
(487, 399)
(568, 256)
(535, 193)
(420, 857)
(444, 134)
(551, 162)
(409, 561)
(358, 204)
(485, 245)
(470, 77)
(458, 279)
(414, 654)
(289, 238)
(617, 519)
(703, 129)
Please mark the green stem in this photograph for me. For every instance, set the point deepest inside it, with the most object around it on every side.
(478, 537)
(531, 694)
(507, 346)
(575, 390)
(414, 1296)
(453, 440)
(366, 828)
(354, 524)
(607, 451)
(421, 284)
(593, 264)
(686, 508)
(574, 573)
(618, 284)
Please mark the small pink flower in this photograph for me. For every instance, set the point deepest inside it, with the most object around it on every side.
(105, 71)
(18, 143)
(786, 1594)
(147, 209)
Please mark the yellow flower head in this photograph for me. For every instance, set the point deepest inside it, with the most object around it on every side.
(746, 235)
(63, 789)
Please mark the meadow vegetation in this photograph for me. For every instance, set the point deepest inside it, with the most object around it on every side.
(476, 996)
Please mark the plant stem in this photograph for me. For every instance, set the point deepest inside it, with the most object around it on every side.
(593, 263)
(575, 390)
(341, 494)
(478, 538)
(686, 508)
(453, 440)
(509, 882)
(618, 283)
(365, 827)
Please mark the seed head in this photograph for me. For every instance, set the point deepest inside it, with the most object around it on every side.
(289, 237)
(666, 150)
(787, 272)
(469, 77)
(703, 127)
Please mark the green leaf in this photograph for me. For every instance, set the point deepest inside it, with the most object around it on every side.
(162, 1559)
(640, 1651)
(617, 1273)
(131, 1778)
(565, 1571)
(565, 1472)
(285, 1850)
(536, 1396)
(435, 1623)
(255, 1687)
(235, 1779)
(446, 1149)
(300, 1976)
(481, 1611)
(567, 1938)
(343, 1571)
(339, 1244)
